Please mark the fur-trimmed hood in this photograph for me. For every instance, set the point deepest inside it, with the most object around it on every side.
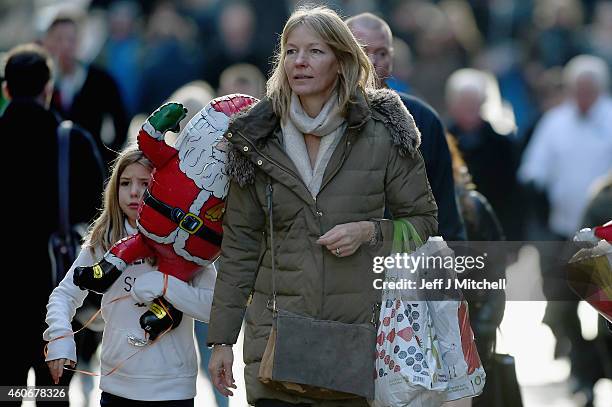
(388, 108)
(259, 122)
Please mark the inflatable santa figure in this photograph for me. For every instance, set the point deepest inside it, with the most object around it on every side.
(179, 220)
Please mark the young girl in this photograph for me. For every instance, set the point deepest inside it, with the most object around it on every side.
(165, 371)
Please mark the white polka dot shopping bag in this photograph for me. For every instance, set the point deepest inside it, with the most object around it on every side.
(425, 350)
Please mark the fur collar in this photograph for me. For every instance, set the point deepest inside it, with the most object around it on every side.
(258, 122)
(388, 108)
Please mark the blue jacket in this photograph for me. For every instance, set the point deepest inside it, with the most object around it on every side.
(438, 166)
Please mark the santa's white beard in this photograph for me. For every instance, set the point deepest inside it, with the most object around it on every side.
(203, 166)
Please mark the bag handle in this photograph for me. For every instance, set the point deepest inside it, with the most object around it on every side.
(269, 191)
(404, 233)
(64, 131)
(95, 151)
(63, 162)
(414, 235)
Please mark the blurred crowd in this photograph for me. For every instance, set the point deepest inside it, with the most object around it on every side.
(522, 87)
(491, 68)
(133, 55)
(151, 48)
(139, 41)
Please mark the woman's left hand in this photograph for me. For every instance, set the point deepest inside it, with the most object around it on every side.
(343, 240)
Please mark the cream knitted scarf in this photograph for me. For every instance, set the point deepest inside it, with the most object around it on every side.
(329, 125)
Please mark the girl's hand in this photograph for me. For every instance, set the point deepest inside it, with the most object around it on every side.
(343, 240)
(56, 368)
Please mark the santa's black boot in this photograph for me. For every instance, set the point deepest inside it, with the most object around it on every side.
(97, 278)
(156, 320)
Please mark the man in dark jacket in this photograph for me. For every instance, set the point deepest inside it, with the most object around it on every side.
(488, 153)
(375, 35)
(29, 129)
(84, 94)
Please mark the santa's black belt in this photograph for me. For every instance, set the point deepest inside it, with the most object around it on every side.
(189, 222)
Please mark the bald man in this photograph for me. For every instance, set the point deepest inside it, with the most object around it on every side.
(375, 35)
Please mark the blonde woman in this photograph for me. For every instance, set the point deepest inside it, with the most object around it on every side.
(163, 373)
(330, 152)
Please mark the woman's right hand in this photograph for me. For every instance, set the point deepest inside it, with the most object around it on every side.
(220, 369)
(56, 368)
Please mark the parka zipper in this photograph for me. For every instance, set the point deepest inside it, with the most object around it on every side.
(347, 144)
(344, 154)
